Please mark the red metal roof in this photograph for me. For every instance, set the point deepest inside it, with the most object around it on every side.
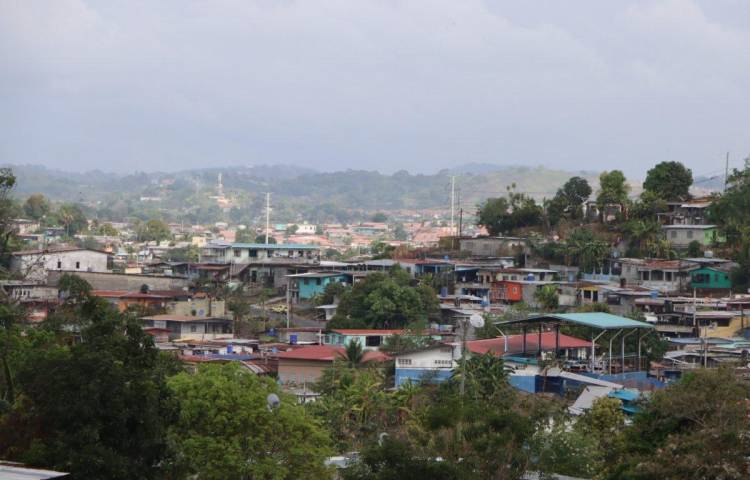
(367, 331)
(515, 343)
(327, 353)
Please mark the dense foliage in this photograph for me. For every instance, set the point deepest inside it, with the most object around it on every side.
(384, 300)
(670, 181)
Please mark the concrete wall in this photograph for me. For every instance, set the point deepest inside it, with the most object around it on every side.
(35, 267)
(300, 371)
(120, 281)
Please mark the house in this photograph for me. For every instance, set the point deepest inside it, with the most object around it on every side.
(191, 327)
(37, 299)
(370, 229)
(305, 286)
(680, 236)
(431, 364)
(370, 339)
(305, 365)
(436, 362)
(217, 252)
(656, 274)
(711, 279)
(693, 212)
(305, 229)
(34, 264)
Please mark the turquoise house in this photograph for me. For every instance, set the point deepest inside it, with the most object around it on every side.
(304, 286)
(710, 278)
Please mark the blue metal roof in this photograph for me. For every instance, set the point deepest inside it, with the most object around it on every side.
(602, 321)
(276, 246)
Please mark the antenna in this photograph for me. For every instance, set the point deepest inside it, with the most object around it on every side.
(268, 214)
(453, 196)
(726, 172)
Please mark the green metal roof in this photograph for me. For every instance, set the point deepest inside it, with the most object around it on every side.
(602, 321)
(276, 246)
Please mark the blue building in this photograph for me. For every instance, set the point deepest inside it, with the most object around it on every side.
(304, 286)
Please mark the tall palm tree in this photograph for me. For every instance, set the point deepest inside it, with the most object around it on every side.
(354, 353)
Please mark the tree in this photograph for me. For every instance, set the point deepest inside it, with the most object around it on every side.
(500, 215)
(547, 297)
(97, 408)
(108, 230)
(153, 230)
(568, 201)
(379, 217)
(245, 236)
(354, 353)
(694, 249)
(693, 429)
(613, 190)
(262, 239)
(225, 429)
(384, 301)
(670, 181)
(584, 249)
(292, 229)
(394, 459)
(72, 218)
(36, 206)
(7, 214)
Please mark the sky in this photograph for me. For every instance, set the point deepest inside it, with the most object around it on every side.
(381, 85)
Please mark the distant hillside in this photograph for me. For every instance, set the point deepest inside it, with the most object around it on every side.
(296, 191)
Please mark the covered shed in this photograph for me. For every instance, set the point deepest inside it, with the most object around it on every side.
(598, 325)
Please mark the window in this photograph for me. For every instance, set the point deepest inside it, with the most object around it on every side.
(373, 341)
(317, 281)
(444, 363)
(78, 265)
(193, 328)
(673, 233)
(237, 253)
(59, 264)
(306, 281)
(404, 361)
(689, 234)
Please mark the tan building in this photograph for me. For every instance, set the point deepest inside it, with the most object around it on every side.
(306, 364)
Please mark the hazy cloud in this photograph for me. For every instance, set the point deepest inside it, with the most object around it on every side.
(385, 84)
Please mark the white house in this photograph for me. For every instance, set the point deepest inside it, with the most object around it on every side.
(305, 229)
(433, 363)
(34, 264)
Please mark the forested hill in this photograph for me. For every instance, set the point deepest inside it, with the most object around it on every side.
(351, 188)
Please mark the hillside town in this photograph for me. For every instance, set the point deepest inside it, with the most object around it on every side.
(593, 301)
(374, 240)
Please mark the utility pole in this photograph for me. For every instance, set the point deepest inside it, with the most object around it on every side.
(726, 172)
(453, 196)
(268, 214)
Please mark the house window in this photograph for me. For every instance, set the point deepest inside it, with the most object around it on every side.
(237, 253)
(78, 265)
(317, 281)
(59, 264)
(443, 363)
(193, 328)
(306, 281)
(689, 234)
(404, 361)
(373, 341)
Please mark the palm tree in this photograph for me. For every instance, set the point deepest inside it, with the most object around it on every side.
(354, 353)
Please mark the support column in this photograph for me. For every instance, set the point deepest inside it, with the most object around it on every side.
(557, 340)
(524, 340)
(539, 340)
(622, 350)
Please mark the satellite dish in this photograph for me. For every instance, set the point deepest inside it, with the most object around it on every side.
(273, 401)
(476, 321)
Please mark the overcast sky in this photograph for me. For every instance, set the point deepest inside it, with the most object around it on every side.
(376, 84)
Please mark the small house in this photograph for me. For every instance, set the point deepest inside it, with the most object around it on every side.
(305, 286)
(680, 236)
(711, 279)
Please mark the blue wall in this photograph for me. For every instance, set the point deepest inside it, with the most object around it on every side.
(312, 288)
(414, 375)
(527, 383)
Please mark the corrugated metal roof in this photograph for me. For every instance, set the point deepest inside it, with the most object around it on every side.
(602, 321)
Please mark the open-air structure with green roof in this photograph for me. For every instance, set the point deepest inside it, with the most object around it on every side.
(594, 325)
